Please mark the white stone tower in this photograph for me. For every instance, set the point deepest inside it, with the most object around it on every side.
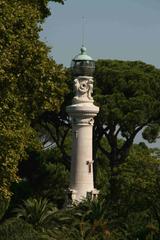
(82, 112)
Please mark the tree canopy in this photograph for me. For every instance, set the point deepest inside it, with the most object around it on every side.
(30, 82)
(128, 95)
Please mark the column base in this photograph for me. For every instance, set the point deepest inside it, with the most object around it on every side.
(72, 195)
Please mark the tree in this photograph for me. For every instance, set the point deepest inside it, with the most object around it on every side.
(128, 95)
(133, 215)
(56, 127)
(45, 176)
(30, 83)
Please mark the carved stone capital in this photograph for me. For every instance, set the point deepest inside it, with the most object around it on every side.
(83, 87)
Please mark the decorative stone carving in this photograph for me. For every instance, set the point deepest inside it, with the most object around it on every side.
(91, 121)
(83, 121)
(83, 89)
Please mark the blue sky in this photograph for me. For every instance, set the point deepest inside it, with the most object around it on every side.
(114, 29)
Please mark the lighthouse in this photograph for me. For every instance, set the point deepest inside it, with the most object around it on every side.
(82, 113)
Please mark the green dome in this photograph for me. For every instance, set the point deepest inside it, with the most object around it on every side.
(82, 56)
(82, 64)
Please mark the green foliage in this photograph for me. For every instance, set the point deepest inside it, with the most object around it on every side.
(55, 182)
(86, 221)
(139, 173)
(4, 204)
(37, 212)
(125, 92)
(14, 229)
(102, 171)
(151, 133)
(128, 95)
(94, 213)
(30, 83)
(133, 214)
(43, 177)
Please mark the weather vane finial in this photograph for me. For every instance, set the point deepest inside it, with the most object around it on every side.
(83, 30)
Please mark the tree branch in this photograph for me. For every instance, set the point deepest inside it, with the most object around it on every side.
(105, 152)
